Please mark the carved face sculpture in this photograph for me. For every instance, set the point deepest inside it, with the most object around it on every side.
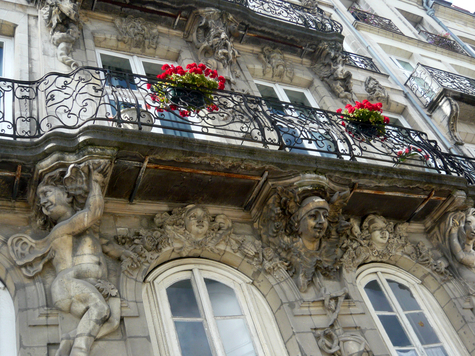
(197, 222)
(55, 202)
(379, 233)
(313, 223)
(469, 226)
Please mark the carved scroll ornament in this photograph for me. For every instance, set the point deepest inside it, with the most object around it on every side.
(330, 67)
(62, 17)
(211, 34)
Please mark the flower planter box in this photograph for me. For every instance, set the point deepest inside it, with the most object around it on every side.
(184, 97)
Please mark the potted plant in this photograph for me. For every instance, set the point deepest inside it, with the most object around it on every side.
(187, 90)
(365, 118)
(413, 154)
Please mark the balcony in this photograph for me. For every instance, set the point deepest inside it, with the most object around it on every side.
(443, 42)
(431, 84)
(374, 20)
(359, 61)
(94, 96)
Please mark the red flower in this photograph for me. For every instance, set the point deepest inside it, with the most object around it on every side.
(359, 105)
(221, 86)
(149, 86)
(202, 66)
(419, 150)
(221, 78)
(207, 71)
(406, 151)
(399, 153)
(181, 71)
(214, 74)
(351, 110)
(173, 107)
(386, 120)
(165, 66)
(343, 123)
(338, 111)
(426, 157)
(347, 106)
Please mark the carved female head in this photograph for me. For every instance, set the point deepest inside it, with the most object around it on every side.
(197, 220)
(376, 225)
(312, 221)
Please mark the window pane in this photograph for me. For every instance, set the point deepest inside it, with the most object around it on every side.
(223, 299)
(297, 97)
(182, 300)
(406, 65)
(423, 329)
(192, 338)
(377, 297)
(152, 69)
(235, 337)
(411, 352)
(436, 351)
(271, 98)
(116, 63)
(404, 296)
(394, 329)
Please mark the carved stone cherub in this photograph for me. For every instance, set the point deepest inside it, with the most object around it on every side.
(194, 228)
(72, 205)
(377, 240)
(461, 238)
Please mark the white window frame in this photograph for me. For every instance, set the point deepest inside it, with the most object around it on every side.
(431, 308)
(8, 346)
(8, 57)
(263, 328)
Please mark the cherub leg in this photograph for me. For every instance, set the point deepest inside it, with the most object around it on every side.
(86, 303)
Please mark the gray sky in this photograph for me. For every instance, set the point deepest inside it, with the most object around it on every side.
(464, 4)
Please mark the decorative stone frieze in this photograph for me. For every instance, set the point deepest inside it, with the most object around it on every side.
(70, 207)
(329, 65)
(375, 90)
(210, 31)
(137, 32)
(62, 17)
(273, 61)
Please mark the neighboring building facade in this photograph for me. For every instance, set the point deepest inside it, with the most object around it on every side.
(138, 218)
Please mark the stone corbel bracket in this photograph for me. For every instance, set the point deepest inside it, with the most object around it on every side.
(62, 18)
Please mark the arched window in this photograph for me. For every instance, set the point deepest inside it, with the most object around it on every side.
(408, 317)
(7, 324)
(203, 308)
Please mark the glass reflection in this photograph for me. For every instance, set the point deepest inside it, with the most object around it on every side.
(404, 296)
(423, 329)
(377, 297)
(182, 300)
(235, 337)
(395, 331)
(192, 338)
(223, 299)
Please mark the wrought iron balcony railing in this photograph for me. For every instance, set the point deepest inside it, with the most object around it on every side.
(374, 20)
(314, 18)
(359, 61)
(428, 84)
(93, 96)
(443, 42)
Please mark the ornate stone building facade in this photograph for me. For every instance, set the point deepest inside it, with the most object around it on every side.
(142, 218)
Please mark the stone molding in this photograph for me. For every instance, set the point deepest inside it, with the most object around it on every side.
(137, 32)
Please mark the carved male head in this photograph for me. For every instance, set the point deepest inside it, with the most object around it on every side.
(197, 221)
(469, 226)
(312, 219)
(377, 228)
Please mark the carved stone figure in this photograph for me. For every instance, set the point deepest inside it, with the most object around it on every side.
(211, 34)
(273, 60)
(460, 232)
(72, 205)
(305, 234)
(330, 67)
(376, 241)
(137, 32)
(375, 90)
(62, 16)
(335, 342)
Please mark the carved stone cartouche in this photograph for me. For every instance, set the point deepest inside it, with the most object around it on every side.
(71, 204)
(375, 90)
(273, 61)
(137, 32)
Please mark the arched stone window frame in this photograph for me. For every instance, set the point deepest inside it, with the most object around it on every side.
(432, 309)
(8, 338)
(261, 321)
